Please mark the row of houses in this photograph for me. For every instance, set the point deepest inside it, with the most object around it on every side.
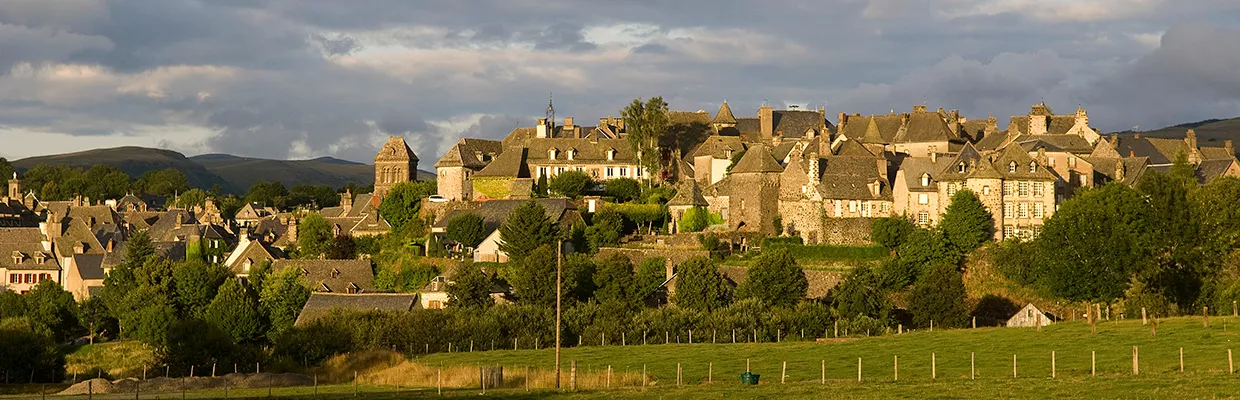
(825, 181)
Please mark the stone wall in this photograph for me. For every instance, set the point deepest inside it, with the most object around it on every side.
(847, 231)
(636, 256)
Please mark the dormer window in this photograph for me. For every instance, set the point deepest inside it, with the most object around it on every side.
(17, 258)
(1012, 167)
(552, 153)
(335, 273)
(572, 153)
(960, 168)
(39, 257)
(925, 179)
(1033, 167)
(729, 154)
(305, 272)
(611, 154)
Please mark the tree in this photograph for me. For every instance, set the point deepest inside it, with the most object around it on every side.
(138, 248)
(104, 182)
(939, 296)
(50, 306)
(860, 294)
(404, 201)
(1180, 263)
(341, 248)
(471, 288)
(196, 342)
(317, 196)
(695, 220)
(607, 227)
(192, 198)
(775, 278)
(28, 352)
(891, 232)
(270, 194)
(6, 170)
(96, 318)
(644, 123)
(404, 278)
(699, 286)
(468, 229)
(527, 228)
(166, 182)
(153, 314)
(616, 283)
(235, 311)
(921, 249)
(534, 276)
(314, 235)
(624, 190)
(578, 280)
(12, 305)
(570, 183)
(283, 295)
(197, 283)
(966, 224)
(1094, 244)
(651, 273)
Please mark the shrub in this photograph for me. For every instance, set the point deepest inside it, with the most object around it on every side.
(939, 296)
(695, 220)
(700, 286)
(468, 229)
(775, 277)
(570, 183)
(624, 190)
(891, 232)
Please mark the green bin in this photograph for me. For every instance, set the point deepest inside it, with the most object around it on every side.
(749, 378)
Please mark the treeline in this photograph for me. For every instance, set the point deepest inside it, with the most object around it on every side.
(1168, 245)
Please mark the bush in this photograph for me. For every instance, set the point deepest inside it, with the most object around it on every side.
(775, 277)
(938, 298)
(624, 190)
(700, 286)
(570, 183)
(468, 229)
(860, 295)
(891, 232)
(1014, 259)
(606, 230)
(826, 252)
(695, 220)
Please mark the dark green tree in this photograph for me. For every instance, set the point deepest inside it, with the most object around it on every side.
(700, 286)
(527, 228)
(104, 182)
(404, 201)
(1094, 244)
(95, 316)
(282, 297)
(578, 282)
(29, 352)
(6, 170)
(534, 276)
(138, 248)
(939, 296)
(196, 285)
(268, 194)
(314, 236)
(651, 273)
(1180, 263)
(192, 198)
(235, 310)
(775, 277)
(645, 123)
(165, 182)
(891, 232)
(607, 227)
(468, 229)
(49, 305)
(966, 224)
(624, 190)
(471, 288)
(616, 283)
(194, 342)
(316, 196)
(153, 314)
(570, 183)
(861, 294)
(12, 305)
(341, 248)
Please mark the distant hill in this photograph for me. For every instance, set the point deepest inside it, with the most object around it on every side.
(134, 161)
(1210, 132)
(234, 174)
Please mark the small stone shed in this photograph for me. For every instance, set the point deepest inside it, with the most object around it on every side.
(1030, 316)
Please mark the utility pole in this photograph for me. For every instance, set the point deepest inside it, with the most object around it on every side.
(559, 267)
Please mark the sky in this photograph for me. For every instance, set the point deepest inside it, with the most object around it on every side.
(296, 79)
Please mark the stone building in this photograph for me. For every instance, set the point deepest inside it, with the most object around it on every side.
(755, 205)
(394, 164)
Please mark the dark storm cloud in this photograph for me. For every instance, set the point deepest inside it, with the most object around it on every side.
(280, 78)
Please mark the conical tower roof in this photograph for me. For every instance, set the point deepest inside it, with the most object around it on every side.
(724, 116)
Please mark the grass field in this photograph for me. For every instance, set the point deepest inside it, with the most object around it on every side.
(116, 359)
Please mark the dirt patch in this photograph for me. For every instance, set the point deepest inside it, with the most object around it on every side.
(234, 381)
(835, 340)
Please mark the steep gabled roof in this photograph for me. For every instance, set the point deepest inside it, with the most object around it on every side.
(395, 150)
(794, 123)
(1018, 156)
(850, 177)
(335, 276)
(688, 117)
(724, 116)
(689, 194)
(320, 304)
(757, 159)
(925, 127)
(466, 151)
(717, 147)
(509, 164)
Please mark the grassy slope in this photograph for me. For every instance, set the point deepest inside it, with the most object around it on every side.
(115, 359)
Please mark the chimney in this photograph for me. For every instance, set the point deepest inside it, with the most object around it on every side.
(1119, 171)
(1114, 139)
(1132, 153)
(766, 119)
(919, 108)
(542, 128)
(839, 124)
(1227, 146)
(180, 220)
(1037, 125)
(346, 200)
(111, 244)
(79, 248)
(934, 157)
(812, 167)
(568, 122)
(992, 125)
(1191, 139)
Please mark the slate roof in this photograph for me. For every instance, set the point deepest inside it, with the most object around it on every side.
(395, 150)
(131, 200)
(1056, 124)
(717, 147)
(975, 166)
(724, 116)
(757, 159)
(850, 177)
(1160, 151)
(89, 266)
(251, 250)
(721, 188)
(1016, 154)
(335, 276)
(794, 123)
(1216, 153)
(688, 117)
(925, 127)
(466, 151)
(853, 148)
(321, 304)
(494, 212)
(973, 129)
(689, 194)
(587, 151)
(915, 167)
(1209, 170)
(1068, 143)
(26, 243)
(510, 164)
(880, 129)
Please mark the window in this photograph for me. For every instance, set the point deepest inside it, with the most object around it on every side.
(624, 171)
(923, 218)
(925, 180)
(923, 198)
(1009, 210)
(1051, 161)
(435, 305)
(551, 153)
(1071, 162)
(960, 168)
(542, 171)
(638, 171)
(865, 209)
(1007, 188)
(852, 206)
(1023, 189)
(1023, 210)
(885, 207)
(13, 278)
(611, 154)
(1012, 167)
(1037, 189)
(839, 208)
(986, 190)
(1033, 167)
(1008, 231)
(951, 189)
(571, 153)
(559, 170)
(611, 172)
(1037, 210)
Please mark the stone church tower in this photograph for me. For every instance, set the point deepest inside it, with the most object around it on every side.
(394, 164)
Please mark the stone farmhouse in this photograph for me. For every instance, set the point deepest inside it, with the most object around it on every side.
(826, 182)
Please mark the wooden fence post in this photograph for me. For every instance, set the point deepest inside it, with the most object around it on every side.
(899, 329)
(783, 373)
(733, 335)
(1038, 322)
(837, 328)
(354, 383)
(1143, 320)
(1135, 365)
(609, 376)
(1233, 309)
(678, 375)
(931, 325)
(1181, 360)
(974, 322)
(572, 376)
(439, 381)
(1013, 365)
(1230, 369)
(934, 367)
(824, 372)
(645, 378)
(972, 367)
(1093, 363)
(1052, 364)
(858, 369)
(690, 336)
(895, 365)
(1205, 316)
(710, 372)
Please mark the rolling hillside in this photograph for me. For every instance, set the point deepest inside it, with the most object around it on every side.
(234, 174)
(1211, 132)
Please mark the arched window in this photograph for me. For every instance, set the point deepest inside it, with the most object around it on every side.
(925, 179)
(960, 168)
(1012, 167)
